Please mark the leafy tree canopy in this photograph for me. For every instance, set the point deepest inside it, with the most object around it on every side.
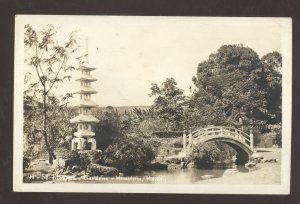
(168, 102)
(234, 83)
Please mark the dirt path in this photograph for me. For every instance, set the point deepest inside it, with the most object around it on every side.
(263, 173)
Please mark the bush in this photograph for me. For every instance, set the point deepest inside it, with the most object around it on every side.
(77, 158)
(26, 162)
(277, 130)
(129, 153)
(96, 156)
(266, 140)
(177, 142)
(205, 155)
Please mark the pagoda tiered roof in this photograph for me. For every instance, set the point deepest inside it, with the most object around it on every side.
(86, 90)
(85, 77)
(86, 66)
(87, 103)
(84, 119)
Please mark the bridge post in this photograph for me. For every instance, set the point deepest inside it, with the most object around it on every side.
(251, 139)
(190, 138)
(184, 141)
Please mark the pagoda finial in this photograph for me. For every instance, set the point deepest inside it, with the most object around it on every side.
(87, 50)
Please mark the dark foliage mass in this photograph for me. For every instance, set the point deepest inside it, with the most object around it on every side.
(26, 163)
(205, 155)
(129, 153)
(234, 83)
(75, 158)
(108, 127)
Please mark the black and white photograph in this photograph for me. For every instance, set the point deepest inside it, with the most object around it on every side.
(149, 104)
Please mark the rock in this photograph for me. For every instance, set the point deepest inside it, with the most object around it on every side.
(98, 170)
(191, 165)
(230, 172)
(60, 171)
(34, 163)
(41, 160)
(250, 164)
(47, 182)
(172, 160)
(84, 177)
(78, 175)
(58, 163)
(256, 155)
(81, 173)
(158, 166)
(273, 161)
(205, 177)
(270, 160)
(67, 172)
(174, 166)
(75, 168)
(121, 174)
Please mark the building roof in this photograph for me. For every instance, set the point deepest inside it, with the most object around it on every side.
(84, 119)
(86, 89)
(86, 66)
(85, 77)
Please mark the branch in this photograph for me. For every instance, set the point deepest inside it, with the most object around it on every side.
(36, 67)
(55, 78)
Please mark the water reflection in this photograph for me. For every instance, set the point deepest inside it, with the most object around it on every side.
(182, 176)
(187, 176)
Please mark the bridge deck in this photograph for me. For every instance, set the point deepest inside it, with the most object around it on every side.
(222, 132)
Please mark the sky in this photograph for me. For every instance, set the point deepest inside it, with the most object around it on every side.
(130, 53)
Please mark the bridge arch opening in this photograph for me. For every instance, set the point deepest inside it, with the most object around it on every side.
(242, 155)
(234, 138)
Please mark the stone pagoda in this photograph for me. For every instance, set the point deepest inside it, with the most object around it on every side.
(84, 137)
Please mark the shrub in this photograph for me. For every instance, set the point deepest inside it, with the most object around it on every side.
(26, 162)
(177, 142)
(277, 130)
(77, 158)
(205, 155)
(266, 140)
(96, 156)
(129, 153)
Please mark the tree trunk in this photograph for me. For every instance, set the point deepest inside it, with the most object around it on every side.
(45, 127)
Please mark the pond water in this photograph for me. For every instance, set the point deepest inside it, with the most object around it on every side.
(176, 176)
(179, 176)
(171, 176)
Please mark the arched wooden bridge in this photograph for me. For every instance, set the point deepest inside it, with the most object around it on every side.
(237, 139)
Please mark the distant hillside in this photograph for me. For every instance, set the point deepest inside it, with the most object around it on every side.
(122, 109)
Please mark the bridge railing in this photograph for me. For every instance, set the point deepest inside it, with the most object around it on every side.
(224, 131)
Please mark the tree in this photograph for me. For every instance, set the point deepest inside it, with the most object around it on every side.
(229, 87)
(108, 128)
(168, 102)
(47, 60)
(272, 85)
(59, 129)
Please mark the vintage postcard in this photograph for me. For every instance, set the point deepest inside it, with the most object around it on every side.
(152, 104)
